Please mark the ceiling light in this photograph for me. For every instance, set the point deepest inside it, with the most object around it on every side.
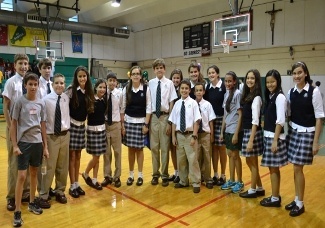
(116, 3)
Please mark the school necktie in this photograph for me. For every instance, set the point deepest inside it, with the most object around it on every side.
(48, 88)
(109, 110)
(158, 100)
(201, 125)
(57, 121)
(183, 123)
(23, 87)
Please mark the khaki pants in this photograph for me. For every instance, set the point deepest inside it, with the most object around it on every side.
(187, 162)
(159, 145)
(204, 155)
(114, 139)
(13, 171)
(57, 165)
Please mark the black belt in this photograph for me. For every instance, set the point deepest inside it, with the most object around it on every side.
(62, 133)
(162, 113)
(185, 132)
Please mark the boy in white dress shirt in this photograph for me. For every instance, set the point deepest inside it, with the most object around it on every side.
(163, 94)
(185, 118)
(113, 133)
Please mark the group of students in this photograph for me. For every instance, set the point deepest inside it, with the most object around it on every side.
(48, 121)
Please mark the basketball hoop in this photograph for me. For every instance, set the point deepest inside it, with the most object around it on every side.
(226, 44)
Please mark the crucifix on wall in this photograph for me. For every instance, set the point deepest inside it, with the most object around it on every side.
(272, 22)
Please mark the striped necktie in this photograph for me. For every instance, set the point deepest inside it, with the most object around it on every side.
(158, 100)
(183, 123)
(57, 121)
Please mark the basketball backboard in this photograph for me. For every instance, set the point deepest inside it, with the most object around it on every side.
(50, 49)
(235, 28)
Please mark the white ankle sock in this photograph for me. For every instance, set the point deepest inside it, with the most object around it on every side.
(94, 180)
(216, 174)
(140, 174)
(176, 173)
(260, 188)
(296, 199)
(300, 204)
(76, 184)
(132, 174)
(274, 199)
(251, 191)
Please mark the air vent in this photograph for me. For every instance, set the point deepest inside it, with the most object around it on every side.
(122, 32)
(35, 18)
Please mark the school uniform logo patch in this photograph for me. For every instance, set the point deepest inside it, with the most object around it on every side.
(306, 95)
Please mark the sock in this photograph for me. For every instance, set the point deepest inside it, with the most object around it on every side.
(259, 188)
(216, 174)
(94, 180)
(223, 176)
(72, 186)
(132, 174)
(176, 173)
(274, 199)
(140, 174)
(251, 191)
(296, 199)
(300, 204)
(76, 184)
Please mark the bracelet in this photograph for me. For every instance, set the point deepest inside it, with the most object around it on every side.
(169, 122)
(194, 137)
(147, 125)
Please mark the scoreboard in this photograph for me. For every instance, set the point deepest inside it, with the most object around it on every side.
(197, 40)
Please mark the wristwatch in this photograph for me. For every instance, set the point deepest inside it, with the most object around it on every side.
(194, 137)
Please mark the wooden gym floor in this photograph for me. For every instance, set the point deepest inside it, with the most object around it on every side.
(156, 206)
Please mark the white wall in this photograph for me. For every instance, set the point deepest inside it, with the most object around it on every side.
(300, 25)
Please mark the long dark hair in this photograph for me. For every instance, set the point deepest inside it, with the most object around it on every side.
(248, 95)
(89, 94)
(129, 86)
(232, 91)
(304, 67)
(98, 82)
(278, 89)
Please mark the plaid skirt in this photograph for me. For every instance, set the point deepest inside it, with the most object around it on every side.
(217, 131)
(133, 136)
(300, 147)
(77, 137)
(257, 143)
(96, 142)
(278, 159)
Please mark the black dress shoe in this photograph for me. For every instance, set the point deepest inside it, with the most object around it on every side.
(61, 198)
(260, 193)
(107, 181)
(129, 182)
(80, 191)
(154, 181)
(267, 202)
(215, 180)
(165, 182)
(296, 211)
(172, 178)
(43, 203)
(290, 206)
(74, 193)
(97, 186)
(117, 182)
(139, 181)
(247, 195)
(176, 180)
(196, 189)
(11, 206)
(88, 181)
(25, 199)
(51, 192)
(178, 185)
(209, 185)
(220, 181)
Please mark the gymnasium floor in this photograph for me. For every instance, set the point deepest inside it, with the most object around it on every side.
(156, 206)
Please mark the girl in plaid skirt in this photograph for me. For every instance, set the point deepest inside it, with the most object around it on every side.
(275, 150)
(81, 104)
(135, 117)
(96, 134)
(215, 92)
(305, 112)
(252, 146)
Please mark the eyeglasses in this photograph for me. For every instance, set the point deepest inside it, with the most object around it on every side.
(135, 74)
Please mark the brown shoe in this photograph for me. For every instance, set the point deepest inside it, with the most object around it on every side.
(11, 206)
(43, 203)
(61, 198)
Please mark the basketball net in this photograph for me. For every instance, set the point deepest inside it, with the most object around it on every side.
(226, 44)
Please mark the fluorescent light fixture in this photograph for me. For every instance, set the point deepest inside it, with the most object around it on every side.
(116, 3)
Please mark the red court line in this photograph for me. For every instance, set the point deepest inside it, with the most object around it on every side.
(145, 205)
